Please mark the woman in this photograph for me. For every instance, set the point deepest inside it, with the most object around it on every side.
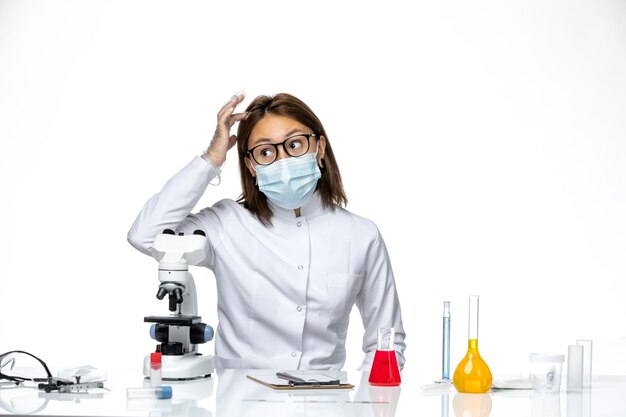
(289, 261)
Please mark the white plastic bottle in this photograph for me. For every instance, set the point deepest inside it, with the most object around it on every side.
(156, 378)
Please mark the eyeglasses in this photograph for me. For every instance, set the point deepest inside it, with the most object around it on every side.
(19, 366)
(297, 145)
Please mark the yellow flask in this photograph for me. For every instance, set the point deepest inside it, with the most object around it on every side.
(472, 374)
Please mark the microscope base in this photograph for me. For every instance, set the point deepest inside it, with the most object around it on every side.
(180, 367)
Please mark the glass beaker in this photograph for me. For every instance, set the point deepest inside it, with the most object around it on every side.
(472, 374)
(385, 370)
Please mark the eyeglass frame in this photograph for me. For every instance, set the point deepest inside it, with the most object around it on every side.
(20, 379)
(275, 145)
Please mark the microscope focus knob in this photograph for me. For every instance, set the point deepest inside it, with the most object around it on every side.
(160, 332)
(200, 333)
(172, 348)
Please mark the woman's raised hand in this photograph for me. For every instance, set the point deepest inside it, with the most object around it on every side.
(222, 139)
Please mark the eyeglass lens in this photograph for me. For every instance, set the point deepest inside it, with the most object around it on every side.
(294, 146)
(22, 366)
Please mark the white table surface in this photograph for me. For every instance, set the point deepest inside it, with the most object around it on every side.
(230, 393)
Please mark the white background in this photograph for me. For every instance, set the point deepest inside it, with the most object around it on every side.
(485, 139)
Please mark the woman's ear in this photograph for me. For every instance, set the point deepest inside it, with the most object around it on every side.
(249, 166)
(321, 149)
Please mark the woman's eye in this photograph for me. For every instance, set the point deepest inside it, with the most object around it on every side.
(295, 144)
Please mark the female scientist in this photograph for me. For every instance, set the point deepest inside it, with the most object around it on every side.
(289, 261)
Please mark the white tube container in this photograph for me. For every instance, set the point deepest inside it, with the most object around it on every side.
(587, 357)
(545, 372)
(160, 393)
(574, 367)
(156, 378)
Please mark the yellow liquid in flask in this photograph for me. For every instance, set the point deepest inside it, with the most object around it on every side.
(472, 374)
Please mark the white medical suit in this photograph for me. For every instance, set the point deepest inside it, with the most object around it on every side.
(284, 291)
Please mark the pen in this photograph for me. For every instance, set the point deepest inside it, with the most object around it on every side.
(289, 377)
(297, 381)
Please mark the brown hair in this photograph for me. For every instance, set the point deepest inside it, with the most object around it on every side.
(329, 186)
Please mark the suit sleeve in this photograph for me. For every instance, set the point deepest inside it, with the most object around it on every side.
(171, 207)
(378, 302)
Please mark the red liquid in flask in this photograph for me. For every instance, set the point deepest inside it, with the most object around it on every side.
(385, 370)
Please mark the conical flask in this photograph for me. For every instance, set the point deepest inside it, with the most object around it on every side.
(472, 374)
(385, 370)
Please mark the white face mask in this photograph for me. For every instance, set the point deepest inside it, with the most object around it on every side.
(289, 182)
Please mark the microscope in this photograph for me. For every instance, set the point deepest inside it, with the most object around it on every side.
(181, 331)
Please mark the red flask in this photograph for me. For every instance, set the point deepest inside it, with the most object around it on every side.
(385, 370)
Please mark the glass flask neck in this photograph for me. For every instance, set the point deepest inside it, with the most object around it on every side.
(472, 327)
(386, 337)
(472, 345)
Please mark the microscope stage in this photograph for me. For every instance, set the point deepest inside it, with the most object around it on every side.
(177, 320)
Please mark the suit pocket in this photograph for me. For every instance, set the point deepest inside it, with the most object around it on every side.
(342, 290)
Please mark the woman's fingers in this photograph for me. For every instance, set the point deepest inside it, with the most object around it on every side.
(222, 139)
(237, 117)
(229, 106)
(232, 141)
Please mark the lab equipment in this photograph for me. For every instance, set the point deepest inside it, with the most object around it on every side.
(301, 380)
(545, 372)
(574, 367)
(155, 393)
(445, 350)
(181, 331)
(385, 370)
(587, 358)
(156, 378)
(19, 367)
(445, 383)
(317, 380)
(472, 374)
(87, 373)
(68, 386)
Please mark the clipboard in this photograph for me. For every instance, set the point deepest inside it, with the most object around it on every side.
(271, 381)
